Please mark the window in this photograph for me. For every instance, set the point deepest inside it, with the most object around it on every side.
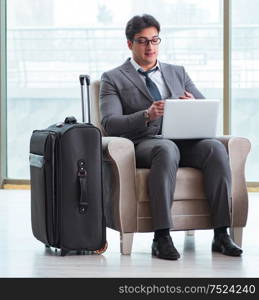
(245, 83)
(51, 42)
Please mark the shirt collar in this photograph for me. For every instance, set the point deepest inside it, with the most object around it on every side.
(138, 67)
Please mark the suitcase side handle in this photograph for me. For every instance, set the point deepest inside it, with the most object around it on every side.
(82, 173)
(70, 120)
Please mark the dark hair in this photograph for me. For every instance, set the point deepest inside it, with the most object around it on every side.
(138, 23)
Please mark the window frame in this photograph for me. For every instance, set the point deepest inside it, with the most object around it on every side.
(3, 95)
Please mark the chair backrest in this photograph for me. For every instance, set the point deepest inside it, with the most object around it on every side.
(94, 103)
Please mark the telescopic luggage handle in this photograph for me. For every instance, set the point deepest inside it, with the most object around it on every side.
(83, 79)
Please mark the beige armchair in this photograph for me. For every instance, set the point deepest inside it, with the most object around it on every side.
(126, 198)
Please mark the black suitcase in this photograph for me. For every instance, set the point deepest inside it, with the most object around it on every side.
(67, 209)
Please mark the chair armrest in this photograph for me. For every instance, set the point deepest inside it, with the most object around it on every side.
(238, 149)
(120, 153)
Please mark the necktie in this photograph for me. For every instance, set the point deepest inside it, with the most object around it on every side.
(153, 89)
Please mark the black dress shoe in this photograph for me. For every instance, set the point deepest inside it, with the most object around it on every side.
(224, 244)
(163, 247)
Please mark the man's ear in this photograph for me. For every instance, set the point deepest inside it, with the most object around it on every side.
(130, 44)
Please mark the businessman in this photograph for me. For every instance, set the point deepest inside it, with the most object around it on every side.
(132, 105)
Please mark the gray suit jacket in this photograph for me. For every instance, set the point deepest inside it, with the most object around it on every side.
(124, 97)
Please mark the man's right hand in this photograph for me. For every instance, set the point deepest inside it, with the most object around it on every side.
(156, 110)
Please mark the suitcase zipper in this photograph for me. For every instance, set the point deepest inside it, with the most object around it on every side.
(58, 193)
(54, 190)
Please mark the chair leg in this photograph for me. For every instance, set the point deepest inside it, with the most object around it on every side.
(126, 241)
(236, 234)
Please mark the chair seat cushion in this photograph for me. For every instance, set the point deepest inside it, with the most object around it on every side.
(189, 184)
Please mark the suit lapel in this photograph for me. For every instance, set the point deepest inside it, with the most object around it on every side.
(168, 77)
(128, 70)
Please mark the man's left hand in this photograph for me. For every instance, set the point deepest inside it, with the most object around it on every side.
(187, 95)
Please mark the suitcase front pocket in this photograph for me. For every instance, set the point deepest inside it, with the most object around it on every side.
(38, 197)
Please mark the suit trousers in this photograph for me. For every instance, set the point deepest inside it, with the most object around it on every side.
(164, 156)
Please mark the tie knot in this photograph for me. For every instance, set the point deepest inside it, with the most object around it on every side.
(145, 73)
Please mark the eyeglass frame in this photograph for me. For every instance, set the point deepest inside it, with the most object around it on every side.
(147, 41)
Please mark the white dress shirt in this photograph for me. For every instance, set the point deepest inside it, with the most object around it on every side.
(156, 77)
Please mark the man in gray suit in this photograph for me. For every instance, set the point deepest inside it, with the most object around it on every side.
(132, 105)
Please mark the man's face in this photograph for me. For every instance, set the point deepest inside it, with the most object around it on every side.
(145, 55)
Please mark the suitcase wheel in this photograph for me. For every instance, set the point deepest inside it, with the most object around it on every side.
(102, 250)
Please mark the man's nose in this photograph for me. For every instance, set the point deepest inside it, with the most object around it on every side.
(149, 45)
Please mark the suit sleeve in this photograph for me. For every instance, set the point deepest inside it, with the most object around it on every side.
(113, 120)
(190, 86)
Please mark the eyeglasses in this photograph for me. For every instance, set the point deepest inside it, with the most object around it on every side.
(145, 42)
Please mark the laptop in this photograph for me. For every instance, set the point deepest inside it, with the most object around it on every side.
(190, 119)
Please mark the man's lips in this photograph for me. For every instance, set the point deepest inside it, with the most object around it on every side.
(149, 54)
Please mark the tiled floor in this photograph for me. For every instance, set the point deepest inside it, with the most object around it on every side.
(21, 255)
